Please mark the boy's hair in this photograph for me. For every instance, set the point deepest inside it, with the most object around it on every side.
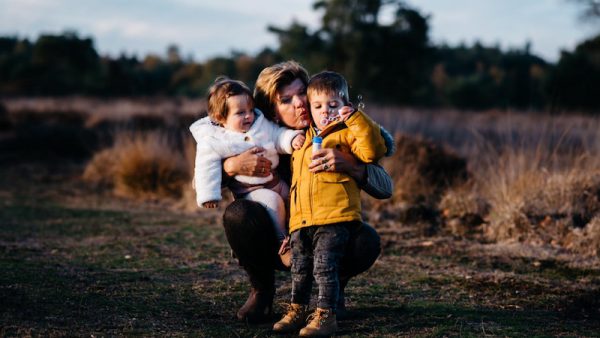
(271, 80)
(328, 82)
(223, 88)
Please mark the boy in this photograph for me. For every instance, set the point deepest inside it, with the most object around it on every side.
(325, 205)
(233, 126)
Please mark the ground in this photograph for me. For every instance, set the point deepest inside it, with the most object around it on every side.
(79, 262)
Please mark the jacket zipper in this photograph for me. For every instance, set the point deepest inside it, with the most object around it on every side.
(310, 193)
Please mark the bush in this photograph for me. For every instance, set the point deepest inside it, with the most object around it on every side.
(539, 197)
(100, 171)
(463, 210)
(587, 240)
(422, 170)
(141, 165)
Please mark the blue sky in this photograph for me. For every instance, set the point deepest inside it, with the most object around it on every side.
(204, 29)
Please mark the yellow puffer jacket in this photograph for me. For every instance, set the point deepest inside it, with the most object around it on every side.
(332, 197)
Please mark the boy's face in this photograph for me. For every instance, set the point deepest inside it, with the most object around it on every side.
(240, 113)
(324, 107)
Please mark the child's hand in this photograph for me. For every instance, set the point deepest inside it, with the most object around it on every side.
(211, 204)
(285, 246)
(298, 141)
(346, 112)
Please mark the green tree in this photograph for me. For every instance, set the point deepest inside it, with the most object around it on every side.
(63, 64)
(574, 83)
(386, 62)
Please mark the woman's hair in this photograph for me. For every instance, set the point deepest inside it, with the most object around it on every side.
(271, 80)
(328, 82)
(222, 88)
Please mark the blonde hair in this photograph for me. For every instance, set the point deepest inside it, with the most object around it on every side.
(223, 88)
(328, 82)
(271, 80)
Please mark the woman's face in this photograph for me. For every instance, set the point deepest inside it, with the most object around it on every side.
(291, 107)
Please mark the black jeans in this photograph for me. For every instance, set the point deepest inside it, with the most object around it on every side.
(317, 251)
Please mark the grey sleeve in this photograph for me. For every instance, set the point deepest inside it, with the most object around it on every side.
(378, 182)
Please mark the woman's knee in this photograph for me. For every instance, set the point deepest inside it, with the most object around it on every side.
(244, 214)
(250, 233)
(247, 223)
(362, 251)
(368, 241)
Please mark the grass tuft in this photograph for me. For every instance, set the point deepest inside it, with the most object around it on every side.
(140, 166)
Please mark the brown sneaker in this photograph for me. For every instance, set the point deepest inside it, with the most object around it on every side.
(322, 323)
(293, 320)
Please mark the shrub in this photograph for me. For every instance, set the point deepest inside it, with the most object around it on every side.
(463, 209)
(47, 135)
(539, 197)
(141, 165)
(422, 170)
(586, 240)
(100, 171)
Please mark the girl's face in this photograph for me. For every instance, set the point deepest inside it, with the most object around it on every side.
(291, 107)
(240, 113)
(324, 108)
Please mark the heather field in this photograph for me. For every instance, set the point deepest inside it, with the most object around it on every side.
(493, 229)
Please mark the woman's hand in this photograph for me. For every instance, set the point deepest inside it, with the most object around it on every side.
(249, 163)
(330, 159)
(211, 204)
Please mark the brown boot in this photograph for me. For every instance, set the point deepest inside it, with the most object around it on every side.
(293, 320)
(258, 307)
(321, 323)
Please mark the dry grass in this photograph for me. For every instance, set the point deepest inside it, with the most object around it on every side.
(79, 263)
(534, 178)
(113, 108)
(503, 176)
(586, 240)
(141, 165)
(538, 204)
(422, 170)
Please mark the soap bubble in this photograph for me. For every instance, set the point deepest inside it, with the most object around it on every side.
(361, 105)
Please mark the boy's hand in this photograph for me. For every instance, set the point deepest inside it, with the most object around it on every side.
(346, 112)
(298, 141)
(211, 204)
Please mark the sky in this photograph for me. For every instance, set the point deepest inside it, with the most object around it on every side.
(203, 29)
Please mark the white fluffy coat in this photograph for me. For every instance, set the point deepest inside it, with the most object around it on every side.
(215, 143)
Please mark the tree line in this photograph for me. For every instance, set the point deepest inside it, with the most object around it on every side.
(388, 61)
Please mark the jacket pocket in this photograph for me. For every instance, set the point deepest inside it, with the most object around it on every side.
(333, 190)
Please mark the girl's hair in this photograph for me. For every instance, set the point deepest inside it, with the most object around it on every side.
(222, 88)
(271, 80)
(329, 83)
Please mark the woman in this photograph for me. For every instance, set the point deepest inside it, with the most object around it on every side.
(281, 94)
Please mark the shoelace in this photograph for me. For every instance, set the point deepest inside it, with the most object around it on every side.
(290, 311)
(319, 316)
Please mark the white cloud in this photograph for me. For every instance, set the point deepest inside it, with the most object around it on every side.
(209, 28)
